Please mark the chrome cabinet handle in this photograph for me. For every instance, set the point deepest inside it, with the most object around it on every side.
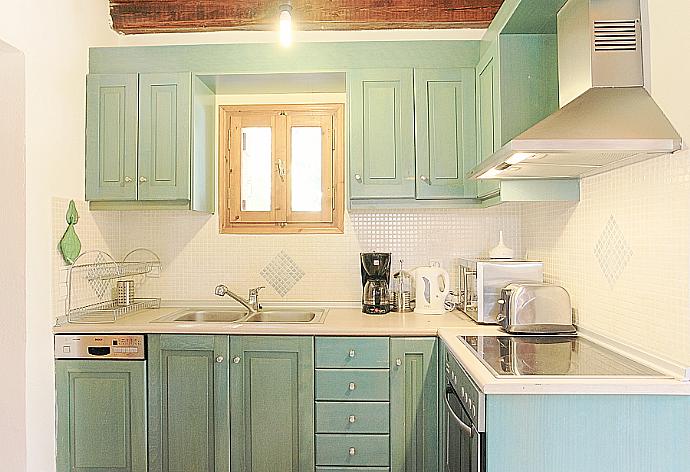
(143, 179)
(425, 179)
(352, 418)
(467, 430)
(352, 386)
(352, 353)
(236, 359)
(398, 362)
(128, 179)
(219, 359)
(358, 178)
(352, 451)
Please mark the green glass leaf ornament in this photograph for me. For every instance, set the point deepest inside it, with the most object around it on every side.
(70, 246)
(72, 214)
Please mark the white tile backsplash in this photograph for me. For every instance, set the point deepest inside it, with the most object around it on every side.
(306, 267)
(623, 253)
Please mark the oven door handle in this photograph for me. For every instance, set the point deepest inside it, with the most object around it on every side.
(467, 430)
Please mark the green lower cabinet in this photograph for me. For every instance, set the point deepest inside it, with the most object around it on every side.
(353, 417)
(352, 385)
(272, 403)
(101, 416)
(188, 403)
(352, 449)
(352, 469)
(414, 402)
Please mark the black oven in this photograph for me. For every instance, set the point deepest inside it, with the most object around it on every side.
(463, 404)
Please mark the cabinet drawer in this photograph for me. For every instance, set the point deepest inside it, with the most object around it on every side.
(352, 449)
(353, 469)
(351, 352)
(352, 384)
(352, 417)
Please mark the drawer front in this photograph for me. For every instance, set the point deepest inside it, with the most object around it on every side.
(352, 449)
(352, 385)
(352, 469)
(352, 417)
(351, 352)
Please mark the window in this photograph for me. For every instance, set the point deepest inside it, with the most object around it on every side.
(281, 169)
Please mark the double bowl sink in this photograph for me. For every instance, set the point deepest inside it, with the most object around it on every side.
(281, 315)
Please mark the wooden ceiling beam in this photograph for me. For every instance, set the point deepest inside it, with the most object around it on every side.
(168, 16)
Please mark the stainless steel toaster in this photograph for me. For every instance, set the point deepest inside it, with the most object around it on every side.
(534, 307)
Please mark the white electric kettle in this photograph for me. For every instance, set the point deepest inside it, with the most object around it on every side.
(432, 286)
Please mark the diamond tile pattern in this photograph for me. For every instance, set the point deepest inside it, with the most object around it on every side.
(612, 251)
(282, 273)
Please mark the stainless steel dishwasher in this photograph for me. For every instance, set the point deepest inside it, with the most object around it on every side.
(463, 416)
(100, 346)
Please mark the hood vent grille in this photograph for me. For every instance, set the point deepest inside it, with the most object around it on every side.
(615, 35)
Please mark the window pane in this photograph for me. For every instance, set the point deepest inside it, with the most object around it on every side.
(306, 168)
(256, 169)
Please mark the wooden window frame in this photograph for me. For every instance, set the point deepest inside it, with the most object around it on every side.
(280, 219)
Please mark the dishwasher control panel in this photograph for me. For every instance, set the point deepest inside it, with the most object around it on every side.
(106, 346)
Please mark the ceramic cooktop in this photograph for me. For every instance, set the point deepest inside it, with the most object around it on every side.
(552, 356)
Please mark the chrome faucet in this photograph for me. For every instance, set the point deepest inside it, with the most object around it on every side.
(252, 305)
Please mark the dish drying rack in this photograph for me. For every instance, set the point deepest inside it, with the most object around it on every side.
(92, 282)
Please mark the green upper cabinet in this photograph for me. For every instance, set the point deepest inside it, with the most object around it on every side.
(188, 403)
(164, 136)
(487, 116)
(517, 86)
(272, 403)
(111, 137)
(388, 109)
(414, 404)
(140, 148)
(446, 132)
(101, 416)
(382, 158)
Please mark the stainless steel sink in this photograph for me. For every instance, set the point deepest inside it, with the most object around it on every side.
(210, 316)
(282, 316)
(270, 315)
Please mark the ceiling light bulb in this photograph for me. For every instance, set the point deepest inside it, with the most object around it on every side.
(519, 157)
(285, 25)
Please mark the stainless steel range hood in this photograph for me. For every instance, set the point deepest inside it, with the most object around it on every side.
(607, 119)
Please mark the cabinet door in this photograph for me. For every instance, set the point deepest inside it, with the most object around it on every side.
(164, 136)
(272, 406)
(381, 133)
(111, 137)
(101, 416)
(414, 405)
(188, 403)
(446, 147)
(488, 115)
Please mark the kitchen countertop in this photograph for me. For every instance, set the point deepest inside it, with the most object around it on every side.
(343, 321)
(518, 385)
(337, 322)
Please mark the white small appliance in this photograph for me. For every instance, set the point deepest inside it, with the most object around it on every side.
(432, 286)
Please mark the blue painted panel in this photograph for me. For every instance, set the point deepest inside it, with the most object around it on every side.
(578, 433)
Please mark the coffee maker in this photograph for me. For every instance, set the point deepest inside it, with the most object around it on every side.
(376, 270)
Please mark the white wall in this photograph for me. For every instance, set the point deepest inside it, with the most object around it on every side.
(12, 277)
(54, 37)
(643, 210)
